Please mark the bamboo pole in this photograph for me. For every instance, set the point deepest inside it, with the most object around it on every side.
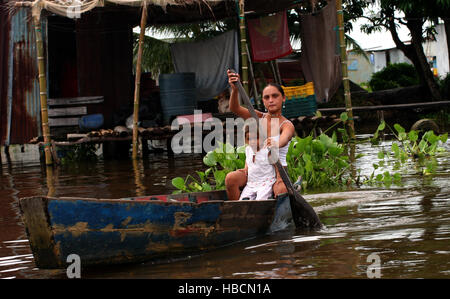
(275, 71)
(43, 89)
(255, 87)
(50, 181)
(138, 81)
(243, 33)
(344, 63)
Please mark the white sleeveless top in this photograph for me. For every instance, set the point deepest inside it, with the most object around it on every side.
(282, 151)
(260, 171)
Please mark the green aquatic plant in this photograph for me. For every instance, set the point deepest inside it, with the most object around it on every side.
(324, 162)
(222, 160)
(320, 162)
(77, 153)
(413, 146)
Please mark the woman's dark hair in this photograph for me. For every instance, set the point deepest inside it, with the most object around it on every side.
(277, 86)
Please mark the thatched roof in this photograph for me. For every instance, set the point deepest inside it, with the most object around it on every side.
(162, 11)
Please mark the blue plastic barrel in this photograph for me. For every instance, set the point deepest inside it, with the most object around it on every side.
(91, 121)
(178, 94)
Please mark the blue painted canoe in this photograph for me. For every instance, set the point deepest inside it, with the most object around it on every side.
(128, 230)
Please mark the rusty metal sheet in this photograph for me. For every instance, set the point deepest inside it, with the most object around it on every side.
(4, 56)
(25, 117)
(20, 102)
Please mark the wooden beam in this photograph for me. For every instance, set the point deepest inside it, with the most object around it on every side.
(388, 107)
(90, 140)
(75, 136)
(55, 112)
(63, 122)
(75, 101)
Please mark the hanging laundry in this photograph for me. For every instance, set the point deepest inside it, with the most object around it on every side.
(269, 37)
(209, 60)
(320, 57)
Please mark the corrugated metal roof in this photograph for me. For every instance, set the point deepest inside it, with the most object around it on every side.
(21, 107)
(4, 49)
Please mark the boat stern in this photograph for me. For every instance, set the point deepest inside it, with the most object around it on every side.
(35, 217)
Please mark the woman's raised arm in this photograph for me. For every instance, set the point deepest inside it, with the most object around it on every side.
(234, 102)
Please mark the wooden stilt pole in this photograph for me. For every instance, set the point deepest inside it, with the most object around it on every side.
(243, 33)
(255, 87)
(346, 81)
(43, 89)
(138, 82)
(276, 74)
(50, 181)
(277, 70)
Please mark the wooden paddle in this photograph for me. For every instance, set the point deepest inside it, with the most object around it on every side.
(302, 213)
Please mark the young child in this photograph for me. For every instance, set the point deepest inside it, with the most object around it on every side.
(260, 173)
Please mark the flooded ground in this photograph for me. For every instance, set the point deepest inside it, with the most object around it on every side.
(397, 232)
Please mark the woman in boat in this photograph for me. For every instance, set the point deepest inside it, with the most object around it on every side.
(279, 132)
(261, 173)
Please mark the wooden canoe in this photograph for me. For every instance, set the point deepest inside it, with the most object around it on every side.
(129, 230)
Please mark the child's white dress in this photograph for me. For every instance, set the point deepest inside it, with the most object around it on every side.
(261, 175)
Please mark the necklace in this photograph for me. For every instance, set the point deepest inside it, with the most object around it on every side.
(277, 114)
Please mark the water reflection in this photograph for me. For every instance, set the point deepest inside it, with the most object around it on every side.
(408, 226)
(138, 174)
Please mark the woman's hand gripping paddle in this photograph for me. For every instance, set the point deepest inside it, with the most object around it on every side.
(303, 214)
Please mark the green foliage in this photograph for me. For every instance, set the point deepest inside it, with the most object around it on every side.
(366, 86)
(393, 76)
(323, 162)
(224, 159)
(407, 147)
(156, 57)
(77, 153)
(320, 161)
(415, 147)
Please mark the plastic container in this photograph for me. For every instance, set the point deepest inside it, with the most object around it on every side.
(301, 106)
(91, 121)
(178, 95)
(302, 91)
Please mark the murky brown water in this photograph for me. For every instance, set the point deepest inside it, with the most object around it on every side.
(407, 227)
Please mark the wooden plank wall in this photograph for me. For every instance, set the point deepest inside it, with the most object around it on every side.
(105, 60)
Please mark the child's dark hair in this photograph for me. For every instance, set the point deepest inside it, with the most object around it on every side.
(247, 132)
(277, 86)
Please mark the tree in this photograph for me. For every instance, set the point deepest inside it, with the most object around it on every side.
(389, 15)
